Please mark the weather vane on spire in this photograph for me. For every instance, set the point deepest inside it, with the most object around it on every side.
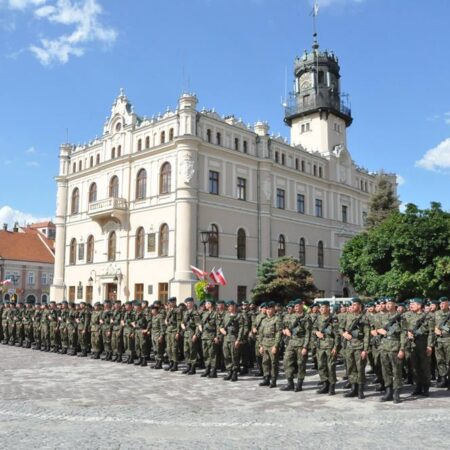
(314, 13)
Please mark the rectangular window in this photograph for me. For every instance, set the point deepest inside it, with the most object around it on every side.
(139, 291)
(319, 208)
(276, 157)
(71, 294)
(79, 292)
(241, 293)
(213, 182)
(241, 188)
(151, 242)
(89, 292)
(344, 213)
(50, 278)
(281, 198)
(163, 292)
(44, 278)
(283, 159)
(80, 252)
(245, 149)
(31, 278)
(301, 203)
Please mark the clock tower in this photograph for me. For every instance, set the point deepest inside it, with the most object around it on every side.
(318, 113)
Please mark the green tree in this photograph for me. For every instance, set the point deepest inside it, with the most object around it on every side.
(383, 201)
(407, 255)
(283, 279)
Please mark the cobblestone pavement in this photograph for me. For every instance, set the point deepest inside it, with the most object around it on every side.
(50, 401)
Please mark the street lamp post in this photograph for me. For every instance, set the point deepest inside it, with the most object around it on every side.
(204, 238)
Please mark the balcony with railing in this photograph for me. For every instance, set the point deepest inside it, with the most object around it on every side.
(102, 210)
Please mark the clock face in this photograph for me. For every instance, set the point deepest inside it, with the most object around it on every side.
(305, 81)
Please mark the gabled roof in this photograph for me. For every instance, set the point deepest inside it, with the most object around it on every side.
(48, 224)
(25, 247)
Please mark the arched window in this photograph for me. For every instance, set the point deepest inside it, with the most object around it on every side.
(281, 246)
(236, 143)
(320, 255)
(119, 151)
(163, 137)
(75, 209)
(80, 165)
(241, 244)
(139, 147)
(245, 150)
(31, 298)
(171, 134)
(163, 249)
(303, 166)
(218, 139)
(73, 252)
(147, 142)
(113, 152)
(213, 243)
(93, 192)
(302, 252)
(164, 178)
(114, 187)
(139, 245)
(98, 159)
(74, 167)
(90, 249)
(112, 246)
(44, 299)
(296, 163)
(141, 184)
(91, 161)
(208, 135)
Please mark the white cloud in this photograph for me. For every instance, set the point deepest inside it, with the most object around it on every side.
(325, 3)
(400, 180)
(437, 158)
(10, 216)
(30, 150)
(32, 164)
(23, 4)
(447, 118)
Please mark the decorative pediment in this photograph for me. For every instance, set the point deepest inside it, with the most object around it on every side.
(122, 115)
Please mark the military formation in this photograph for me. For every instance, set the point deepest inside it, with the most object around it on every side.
(404, 343)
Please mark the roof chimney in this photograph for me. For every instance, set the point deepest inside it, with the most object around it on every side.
(5, 227)
(16, 227)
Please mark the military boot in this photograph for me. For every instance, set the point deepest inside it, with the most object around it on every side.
(234, 375)
(353, 392)
(213, 373)
(144, 361)
(109, 356)
(289, 386)
(273, 383)
(138, 362)
(417, 389)
(187, 370)
(381, 387)
(244, 371)
(388, 396)
(119, 358)
(265, 382)
(228, 376)
(325, 389)
(396, 396)
(332, 390)
(158, 365)
(167, 369)
(192, 370)
(426, 391)
(113, 358)
(442, 383)
(299, 386)
(95, 355)
(206, 372)
(174, 367)
(361, 395)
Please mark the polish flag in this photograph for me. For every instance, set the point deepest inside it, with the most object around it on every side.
(221, 277)
(5, 282)
(199, 273)
(214, 276)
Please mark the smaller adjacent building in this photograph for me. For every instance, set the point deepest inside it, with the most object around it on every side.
(27, 259)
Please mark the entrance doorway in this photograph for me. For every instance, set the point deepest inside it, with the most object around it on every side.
(111, 291)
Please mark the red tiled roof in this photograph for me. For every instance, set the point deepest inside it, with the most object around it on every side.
(48, 224)
(24, 247)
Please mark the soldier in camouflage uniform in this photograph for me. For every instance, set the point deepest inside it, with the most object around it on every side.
(5, 314)
(189, 324)
(45, 333)
(158, 330)
(128, 323)
(96, 331)
(63, 320)
(420, 332)
(12, 323)
(298, 329)
(314, 315)
(208, 331)
(141, 332)
(256, 326)
(117, 332)
(52, 316)
(72, 331)
(245, 346)
(326, 330)
(27, 320)
(271, 329)
(172, 322)
(442, 345)
(36, 320)
(18, 325)
(106, 327)
(83, 323)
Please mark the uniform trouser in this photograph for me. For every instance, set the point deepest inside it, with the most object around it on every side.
(128, 342)
(376, 353)
(270, 362)
(106, 338)
(209, 352)
(392, 368)
(64, 336)
(117, 341)
(190, 348)
(245, 354)
(37, 334)
(142, 344)
(172, 346)
(28, 332)
(231, 354)
(420, 362)
(158, 347)
(258, 354)
(12, 331)
(83, 340)
(72, 337)
(326, 364)
(53, 334)
(20, 334)
(5, 330)
(45, 337)
(443, 357)
(356, 366)
(96, 341)
(294, 362)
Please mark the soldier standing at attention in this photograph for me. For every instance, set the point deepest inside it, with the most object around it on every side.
(37, 327)
(158, 328)
(420, 328)
(256, 326)
(72, 330)
(356, 332)
(5, 314)
(53, 326)
(442, 333)
(172, 322)
(232, 329)
(270, 345)
(106, 330)
(392, 332)
(63, 320)
(117, 332)
(296, 355)
(96, 331)
(128, 333)
(189, 324)
(140, 325)
(45, 336)
(208, 332)
(326, 331)
(83, 322)
(28, 323)
(220, 314)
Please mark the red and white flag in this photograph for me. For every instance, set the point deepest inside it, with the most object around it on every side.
(221, 277)
(5, 282)
(214, 276)
(199, 273)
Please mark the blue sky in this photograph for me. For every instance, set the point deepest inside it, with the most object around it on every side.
(62, 63)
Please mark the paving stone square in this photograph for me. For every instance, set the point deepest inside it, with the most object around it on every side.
(52, 401)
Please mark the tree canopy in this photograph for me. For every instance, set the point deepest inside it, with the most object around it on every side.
(406, 255)
(283, 279)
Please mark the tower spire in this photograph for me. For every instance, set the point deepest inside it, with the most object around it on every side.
(315, 13)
